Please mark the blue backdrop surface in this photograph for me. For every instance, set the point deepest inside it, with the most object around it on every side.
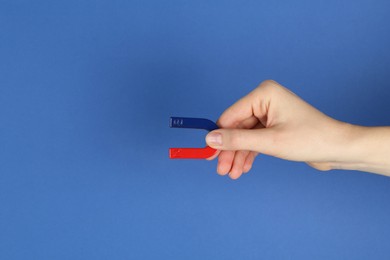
(86, 91)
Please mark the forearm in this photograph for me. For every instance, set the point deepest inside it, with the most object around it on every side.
(368, 150)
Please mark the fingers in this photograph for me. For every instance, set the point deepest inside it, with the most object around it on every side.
(238, 164)
(225, 162)
(253, 105)
(237, 113)
(257, 140)
(235, 163)
(249, 162)
(243, 133)
(251, 122)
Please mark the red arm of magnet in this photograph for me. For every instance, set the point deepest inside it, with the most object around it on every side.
(191, 153)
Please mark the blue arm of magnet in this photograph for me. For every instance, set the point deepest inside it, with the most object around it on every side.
(194, 123)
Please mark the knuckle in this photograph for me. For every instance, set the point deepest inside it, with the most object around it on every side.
(267, 86)
(269, 83)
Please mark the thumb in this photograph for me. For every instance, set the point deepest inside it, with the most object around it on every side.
(257, 140)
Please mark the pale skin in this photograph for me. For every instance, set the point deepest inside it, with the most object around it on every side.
(274, 121)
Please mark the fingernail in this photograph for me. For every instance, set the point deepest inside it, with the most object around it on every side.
(214, 138)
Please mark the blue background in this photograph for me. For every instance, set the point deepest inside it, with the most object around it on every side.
(86, 90)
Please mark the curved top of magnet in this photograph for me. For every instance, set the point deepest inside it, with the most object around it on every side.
(194, 123)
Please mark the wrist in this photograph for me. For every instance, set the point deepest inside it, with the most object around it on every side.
(364, 149)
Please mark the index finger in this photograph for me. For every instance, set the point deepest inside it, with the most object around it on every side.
(239, 113)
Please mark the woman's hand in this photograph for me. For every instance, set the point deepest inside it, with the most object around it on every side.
(274, 121)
